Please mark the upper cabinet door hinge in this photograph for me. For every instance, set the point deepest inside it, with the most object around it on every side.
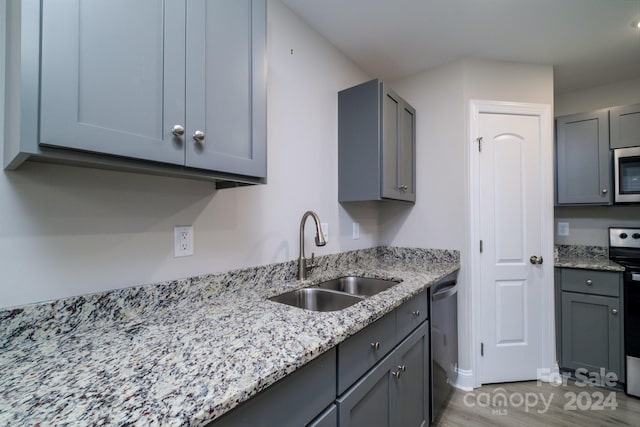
(479, 144)
(480, 246)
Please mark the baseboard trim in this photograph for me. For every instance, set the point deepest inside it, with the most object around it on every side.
(465, 380)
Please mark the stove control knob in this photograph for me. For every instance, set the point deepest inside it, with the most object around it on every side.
(636, 235)
(623, 235)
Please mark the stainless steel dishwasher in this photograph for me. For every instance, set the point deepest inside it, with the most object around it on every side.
(444, 342)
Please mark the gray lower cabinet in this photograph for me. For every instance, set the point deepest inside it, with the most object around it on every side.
(376, 144)
(625, 126)
(591, 321)
(329, 418)
(583, 165)
(394, 392)
(186, 96)
(294, 401)
(377, 377)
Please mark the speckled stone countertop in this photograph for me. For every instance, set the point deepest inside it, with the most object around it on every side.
(185, 352)
(585, 257)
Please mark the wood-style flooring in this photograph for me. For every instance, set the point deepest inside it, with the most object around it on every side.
(548, 405)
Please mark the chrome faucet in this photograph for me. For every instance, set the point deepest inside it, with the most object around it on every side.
(302, 261)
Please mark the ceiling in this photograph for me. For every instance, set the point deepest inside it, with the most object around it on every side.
(588, 42)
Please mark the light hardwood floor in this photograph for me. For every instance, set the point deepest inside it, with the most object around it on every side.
(548, 405)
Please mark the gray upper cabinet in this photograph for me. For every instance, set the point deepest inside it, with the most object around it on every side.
(583, 159)
(105, 86)
(184, 97)
(376, 144)
(625, 126)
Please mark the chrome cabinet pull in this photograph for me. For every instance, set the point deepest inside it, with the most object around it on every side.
(604, 191)
(375, 345)
(177, 130)
(416, 313)
(614, 311)
(198, 136)
(589, 282)
(397, 374)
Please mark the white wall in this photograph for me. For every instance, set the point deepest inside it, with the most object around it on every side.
(620, 93)
(588, 225)
(441, 214)
(68, 231)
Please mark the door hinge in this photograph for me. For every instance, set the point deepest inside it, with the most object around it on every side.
(481, 349)
(480, 246)
(479, 144)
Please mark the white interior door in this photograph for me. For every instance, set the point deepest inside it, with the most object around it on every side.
(510, 211)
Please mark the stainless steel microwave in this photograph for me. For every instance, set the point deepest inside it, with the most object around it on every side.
(627, 174)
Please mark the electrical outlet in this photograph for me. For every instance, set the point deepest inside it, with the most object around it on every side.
(563, 229)
(356, 230)
(182, 241)
(325, 231)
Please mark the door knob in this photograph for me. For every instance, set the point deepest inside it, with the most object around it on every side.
(535, 259)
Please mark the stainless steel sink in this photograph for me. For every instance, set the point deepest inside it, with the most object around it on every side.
(335, 294)
(358, 285)
(317, 299)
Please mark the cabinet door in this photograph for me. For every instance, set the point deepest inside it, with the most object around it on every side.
(625, 126)
(226, 86)
(329, 418)
(592, 333)
(391, 105)
(411, 387)
(368, 402)
(113, 77)
(583, 160)
(407, 153)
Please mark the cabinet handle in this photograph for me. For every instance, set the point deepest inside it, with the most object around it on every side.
(614, 311)
(177, 130)
(375, 345)
(398, 373)
(604, 191)
(589, 282)
(416, 313)
(198, 136)
(403, 188)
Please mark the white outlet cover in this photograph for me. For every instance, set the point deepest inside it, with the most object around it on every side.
(325, 231)
(356, 230)
(182, 241)
(563, 229)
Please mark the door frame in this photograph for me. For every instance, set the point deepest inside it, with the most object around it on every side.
(547, 311)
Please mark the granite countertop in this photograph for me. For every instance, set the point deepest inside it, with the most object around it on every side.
(185, 352)
(585, 257)
(588, 263)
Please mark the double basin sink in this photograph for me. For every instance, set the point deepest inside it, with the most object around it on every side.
(335, 294)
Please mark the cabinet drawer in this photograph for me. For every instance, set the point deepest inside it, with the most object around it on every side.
(363, 350)
(410, 314)
(591, 282)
